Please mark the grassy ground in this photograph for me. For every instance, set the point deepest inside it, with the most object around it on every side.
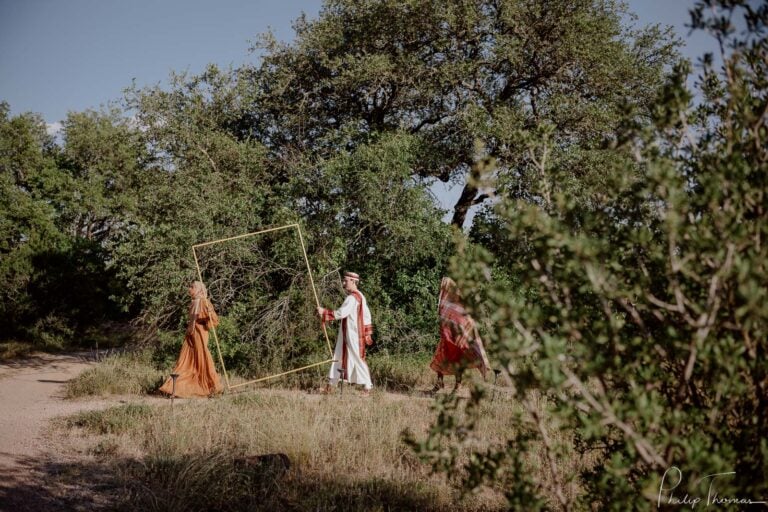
(135, 373)
(345, 453)
(338, 452)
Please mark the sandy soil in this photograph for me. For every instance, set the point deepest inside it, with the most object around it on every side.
(31, 395)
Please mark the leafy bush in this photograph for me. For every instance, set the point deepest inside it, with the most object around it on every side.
(641, 313)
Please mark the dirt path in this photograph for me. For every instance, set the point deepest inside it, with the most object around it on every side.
(31, 394)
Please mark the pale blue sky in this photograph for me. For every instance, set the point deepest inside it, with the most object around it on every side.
(61, 55)
(69, 55)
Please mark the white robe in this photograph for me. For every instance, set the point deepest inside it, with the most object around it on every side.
(357, 369)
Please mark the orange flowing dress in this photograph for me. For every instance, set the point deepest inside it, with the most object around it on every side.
(197, 373)
(460, 346)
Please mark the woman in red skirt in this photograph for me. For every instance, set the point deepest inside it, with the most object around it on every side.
(460, 345)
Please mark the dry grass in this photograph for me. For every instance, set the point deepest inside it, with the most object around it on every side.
(402, 373)
(121, 374)
(201, 454)
(15, 349)
(346, 452)
(134, 373)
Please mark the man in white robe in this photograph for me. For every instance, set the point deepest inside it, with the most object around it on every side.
(354, 334)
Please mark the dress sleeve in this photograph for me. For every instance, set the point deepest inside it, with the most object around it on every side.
(212, 318)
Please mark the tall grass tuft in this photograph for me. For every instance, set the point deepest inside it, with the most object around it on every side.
(116, 420)
(15, 349)
(130, 374)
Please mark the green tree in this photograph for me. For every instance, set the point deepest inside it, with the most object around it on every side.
(63, 205)
(641, 323)
(101, 161)
(452, 73)
(27, 221)
(203, 184)
(359, 208)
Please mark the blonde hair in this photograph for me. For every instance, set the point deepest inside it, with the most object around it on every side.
(198, 290)
(199, 298)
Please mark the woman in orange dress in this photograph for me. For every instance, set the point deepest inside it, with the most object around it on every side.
(197, 374)
(460, 345)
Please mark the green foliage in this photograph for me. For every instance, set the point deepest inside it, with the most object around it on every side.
(639, 308)
(351, 211)
(26, 221)
(59, 211)
(375, 220)
(450, 73)
(204, 185)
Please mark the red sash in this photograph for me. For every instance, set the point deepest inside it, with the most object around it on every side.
(361, 338)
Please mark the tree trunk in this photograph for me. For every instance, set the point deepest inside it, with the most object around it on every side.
(460, 209)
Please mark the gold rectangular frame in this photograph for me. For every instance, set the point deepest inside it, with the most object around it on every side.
(314, 291)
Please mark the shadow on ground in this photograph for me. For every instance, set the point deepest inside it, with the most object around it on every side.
(36, 484)
(267, 482)
(54, 361)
